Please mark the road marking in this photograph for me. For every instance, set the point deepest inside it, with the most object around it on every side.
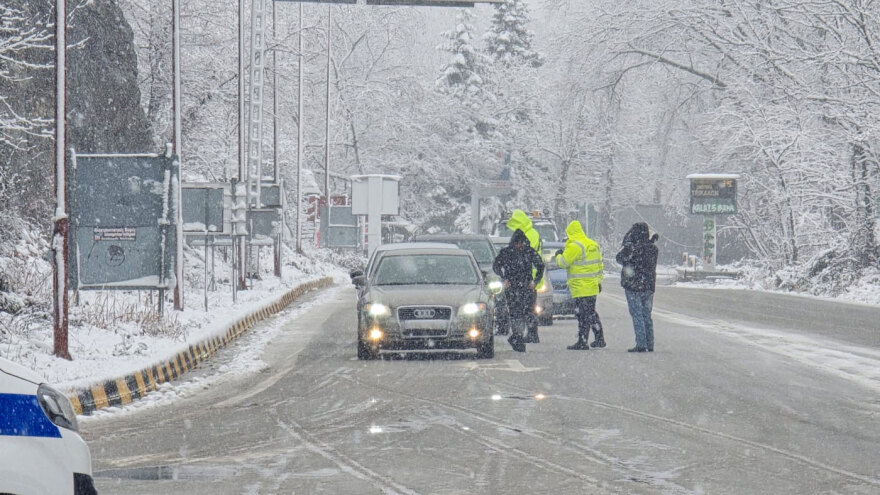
(512, 365)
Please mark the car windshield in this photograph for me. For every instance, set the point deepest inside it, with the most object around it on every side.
(482, 250)
(426, 269)
(546, 230)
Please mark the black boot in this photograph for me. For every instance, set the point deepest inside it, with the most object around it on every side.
(532, 335)
(516, 343)
(581, 344)
(600, 337)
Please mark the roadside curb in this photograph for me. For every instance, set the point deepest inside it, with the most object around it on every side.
(128, 388)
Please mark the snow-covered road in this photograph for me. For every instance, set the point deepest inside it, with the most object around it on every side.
(730, 402)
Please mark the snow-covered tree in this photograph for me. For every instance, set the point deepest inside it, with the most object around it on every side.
(508, 40)
(465, 76)
(23, 34)
(780, 91)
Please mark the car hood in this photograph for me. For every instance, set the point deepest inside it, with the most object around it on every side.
(442, 295)
(486, 267)
(558, 276)
(19, 371)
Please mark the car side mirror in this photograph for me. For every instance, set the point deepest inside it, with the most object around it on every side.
(355, 273)
(358, 281)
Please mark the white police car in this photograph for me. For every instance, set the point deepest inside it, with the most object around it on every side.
(40, 449)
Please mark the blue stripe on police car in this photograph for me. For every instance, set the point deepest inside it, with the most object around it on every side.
(21, 415)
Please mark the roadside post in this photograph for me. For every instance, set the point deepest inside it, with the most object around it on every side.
(239, 233)
(712, 195)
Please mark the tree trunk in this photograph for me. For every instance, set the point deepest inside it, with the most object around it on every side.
(561, 192)
(864, 243)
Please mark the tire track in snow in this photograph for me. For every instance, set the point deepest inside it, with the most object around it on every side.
(591, 454)
(698, 429)
(345, 463)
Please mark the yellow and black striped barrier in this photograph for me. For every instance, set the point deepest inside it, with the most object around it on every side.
(136, 385)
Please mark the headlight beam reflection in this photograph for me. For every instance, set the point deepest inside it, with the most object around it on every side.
(538, 396)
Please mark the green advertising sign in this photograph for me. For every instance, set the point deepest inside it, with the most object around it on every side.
(713, 194)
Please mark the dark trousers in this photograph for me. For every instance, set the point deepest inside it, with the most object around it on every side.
(521, 301)
(585, 310)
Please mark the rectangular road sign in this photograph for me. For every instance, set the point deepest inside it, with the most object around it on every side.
(123, 213)
(207, 208)
(271, 195)
(264, 224)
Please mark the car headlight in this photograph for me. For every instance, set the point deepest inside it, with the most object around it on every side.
(472, 308)
(377, 309)
(544, 287)
(57, 407)
(496, 286)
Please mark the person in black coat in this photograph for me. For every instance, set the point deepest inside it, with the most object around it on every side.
(514, 265)
(638, 257)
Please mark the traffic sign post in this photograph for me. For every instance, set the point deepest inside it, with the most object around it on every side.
(712, 195)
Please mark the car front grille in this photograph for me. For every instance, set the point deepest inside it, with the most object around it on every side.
(424, 313)
(424, 332)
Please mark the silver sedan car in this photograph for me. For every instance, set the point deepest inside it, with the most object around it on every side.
(425, 299)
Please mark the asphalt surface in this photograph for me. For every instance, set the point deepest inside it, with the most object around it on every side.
(713, 410)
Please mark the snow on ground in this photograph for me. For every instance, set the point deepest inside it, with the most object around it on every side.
(105, 342)
(866, 290)
(854, 363)
(858, 364)
(246, 358)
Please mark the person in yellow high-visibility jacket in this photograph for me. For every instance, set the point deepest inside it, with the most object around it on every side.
(519, 220)
(582, 260)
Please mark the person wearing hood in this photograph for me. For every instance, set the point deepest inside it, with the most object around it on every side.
(582, 260)
(519, 220)
(520, 268)
(638, 257)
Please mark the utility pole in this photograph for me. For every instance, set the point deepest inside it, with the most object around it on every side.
(240, 248)
(59, 235)
(276, 168)
(327, 128)
(299, 137)
(176, 143)
(276, 172)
